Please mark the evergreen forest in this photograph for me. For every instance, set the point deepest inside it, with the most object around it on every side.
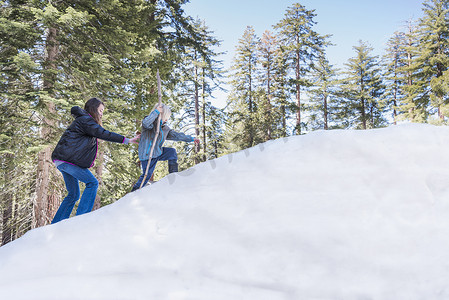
(57, 54)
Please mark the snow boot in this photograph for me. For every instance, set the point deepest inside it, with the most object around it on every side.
(172, 167)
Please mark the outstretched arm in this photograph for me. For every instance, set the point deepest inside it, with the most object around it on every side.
(178, 136)
(92, 128)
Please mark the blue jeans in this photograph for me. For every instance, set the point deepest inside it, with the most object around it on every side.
(167, 154)
(72, 174)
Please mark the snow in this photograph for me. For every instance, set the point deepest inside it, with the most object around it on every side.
(327, 215)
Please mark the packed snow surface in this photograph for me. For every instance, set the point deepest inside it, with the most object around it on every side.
(327, 215)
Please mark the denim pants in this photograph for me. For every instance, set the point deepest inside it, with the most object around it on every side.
(167, 154)
(72, 174)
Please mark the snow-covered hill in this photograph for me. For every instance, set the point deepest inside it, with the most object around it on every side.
(328, 215)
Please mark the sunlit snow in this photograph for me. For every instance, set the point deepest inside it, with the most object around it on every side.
(338, 214)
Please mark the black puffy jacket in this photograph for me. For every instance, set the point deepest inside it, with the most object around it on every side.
(78, 145)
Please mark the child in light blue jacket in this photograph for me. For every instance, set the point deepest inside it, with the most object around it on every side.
(149, 128)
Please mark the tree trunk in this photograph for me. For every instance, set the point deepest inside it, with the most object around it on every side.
(395, 114)
(197, 113)
(298, 93)
(325, 113)
(250, 105)
(363, 113)
(7, 218)
(440, 112)
(409, 63)
(41, 214)
(42, 184)
(440, 71)
(52, 204)
(269, 104)
(6, 207)
(99, 173)
(362, 104)
(204, 118)
(284, 121)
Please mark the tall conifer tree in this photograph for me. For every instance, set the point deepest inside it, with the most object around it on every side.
(303, 46)
(242, 100)
(433, 58)
(363, 90)
(268, 49)
(280, 91)
(396, 61)
(414, 105)
(322, 91)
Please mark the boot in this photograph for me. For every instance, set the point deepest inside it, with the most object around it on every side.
(172, 167)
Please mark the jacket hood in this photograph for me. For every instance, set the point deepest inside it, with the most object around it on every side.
(77, 111)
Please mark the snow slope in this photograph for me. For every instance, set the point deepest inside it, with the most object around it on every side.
(328, 215)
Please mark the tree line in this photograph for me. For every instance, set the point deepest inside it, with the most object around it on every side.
(283, 83)
(57, 54)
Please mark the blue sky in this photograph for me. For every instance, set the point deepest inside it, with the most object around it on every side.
(372, 21)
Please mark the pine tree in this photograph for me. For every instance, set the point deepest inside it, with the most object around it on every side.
(280, 90)
(363, 90)
(303, 46)
(268, 48)
(323, 90)
(414, 105)
(433, 58)
(215, 134)
(242, 101)
(396, 60)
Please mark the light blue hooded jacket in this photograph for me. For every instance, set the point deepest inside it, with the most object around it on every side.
(149, 127)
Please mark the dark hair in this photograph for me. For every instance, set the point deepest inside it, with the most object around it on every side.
(91, 107)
